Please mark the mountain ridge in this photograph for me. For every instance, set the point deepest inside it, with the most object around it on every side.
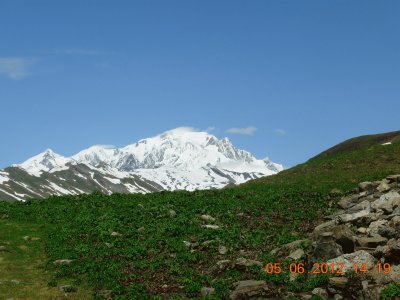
(178, 159)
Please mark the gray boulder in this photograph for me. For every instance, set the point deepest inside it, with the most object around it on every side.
(372, 242)
(326, 248)
(249, 288)
(348, 260)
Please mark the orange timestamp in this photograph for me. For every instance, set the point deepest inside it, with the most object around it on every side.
(323, 268)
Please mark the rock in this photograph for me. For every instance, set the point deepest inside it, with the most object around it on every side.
(172, 213)
(338, 282)
(395, 213)
(364, 284)
(296, 255)
(348, 260)
(141, 229)
(383, 187)
(248, 288)
(344, 237)
(223, 264)
(210, 226)
(387, 232)
(243, 263)
(371, 242)
(349, 201)
(364, 205)
(324, 227)
(374, 226)
(222, 250)
(335, 215)
(208, 218)
(320, 292)
(362, 230)
(393, 178)
(207, 291)
(286, 249)
(346, 218)
(293, 276)
(368, 219)
(387, 202)
(385, 278)
(395, 222)
(391, 251)
(207, 243)
(63, 262)
(326, 248)
(114, 233)
(67, 289)
(365, 186)
(381, 228)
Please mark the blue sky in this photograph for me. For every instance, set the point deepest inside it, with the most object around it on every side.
(284, 79)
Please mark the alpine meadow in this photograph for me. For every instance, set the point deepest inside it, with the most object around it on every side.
(214, 150)
(197, 243)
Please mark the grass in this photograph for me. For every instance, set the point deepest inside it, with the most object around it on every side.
(22, 275)
(148, 258)
(391, 292)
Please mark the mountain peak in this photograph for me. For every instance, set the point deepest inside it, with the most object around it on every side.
(184, 148)
(49, 152)
(44, 162)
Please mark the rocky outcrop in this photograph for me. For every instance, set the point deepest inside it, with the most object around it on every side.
(358, 243)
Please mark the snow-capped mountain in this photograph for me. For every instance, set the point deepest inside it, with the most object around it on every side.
(182, 158)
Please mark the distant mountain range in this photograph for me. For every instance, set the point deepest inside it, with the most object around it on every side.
(179, 159)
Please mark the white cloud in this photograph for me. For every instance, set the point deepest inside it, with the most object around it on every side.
(247, 130)
(15, 67)
(280, 131)
(211, 128)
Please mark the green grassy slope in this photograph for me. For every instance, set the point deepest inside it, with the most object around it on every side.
(22, 275)
(149, 258)
(362, 142)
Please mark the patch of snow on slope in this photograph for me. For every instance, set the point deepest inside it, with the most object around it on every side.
(3, 177)
(11, 195)
(60, 189)
(26, 187)
(113, 180)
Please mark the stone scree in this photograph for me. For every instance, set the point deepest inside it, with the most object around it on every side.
(364, 231)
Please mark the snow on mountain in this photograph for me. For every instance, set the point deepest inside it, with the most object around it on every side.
(3, 177)
(44, 162)
(182, 158)
(182, 148)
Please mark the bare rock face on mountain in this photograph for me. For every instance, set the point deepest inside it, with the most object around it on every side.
(179, 159)
(359, 245)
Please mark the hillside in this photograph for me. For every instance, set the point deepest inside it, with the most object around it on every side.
(181, 244)
(362, 142)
